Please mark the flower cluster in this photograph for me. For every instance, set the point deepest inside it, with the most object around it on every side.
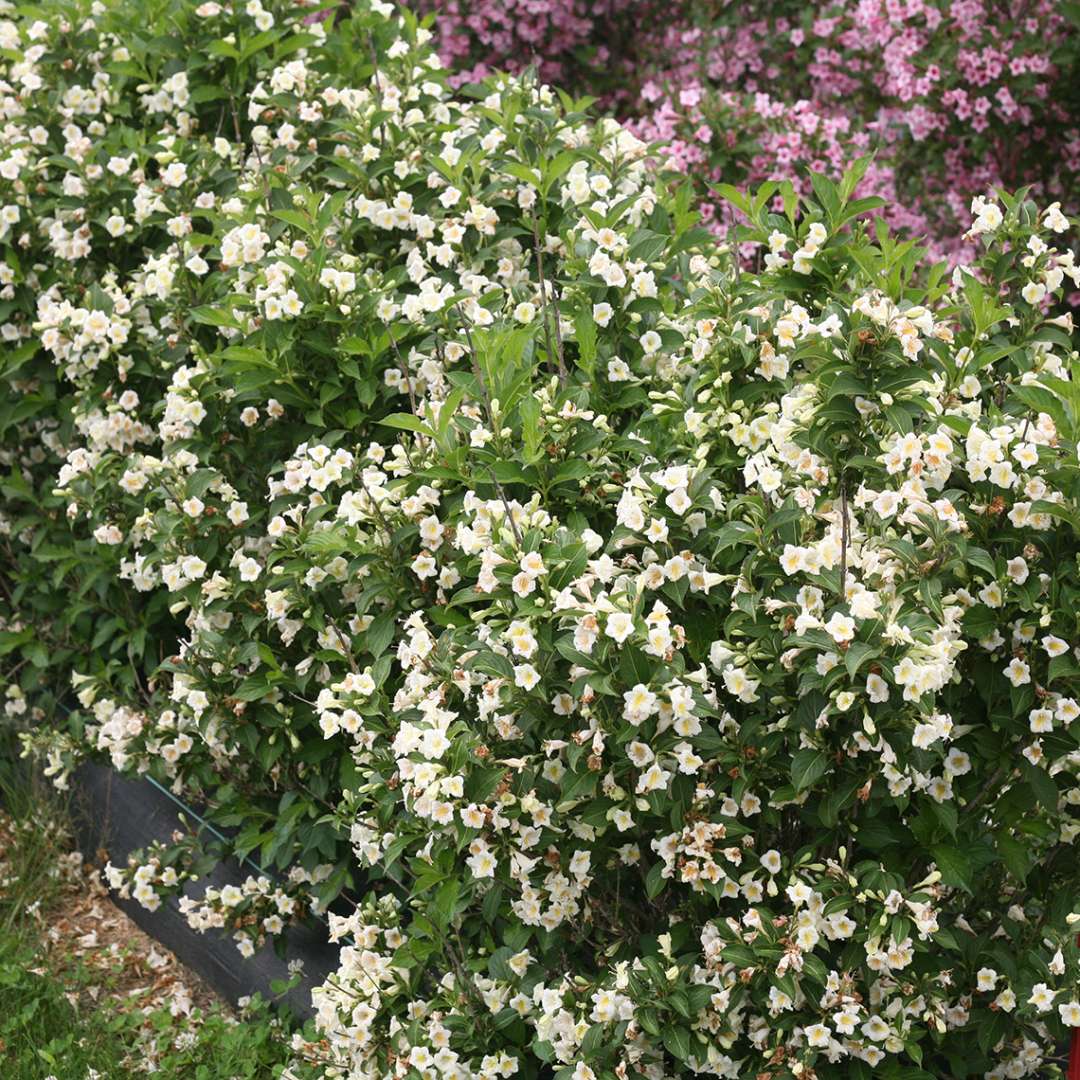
(256, 910)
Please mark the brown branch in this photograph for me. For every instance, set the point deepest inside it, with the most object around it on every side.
(377, 510)
(843, 539)
(981, 797)
(557, 355)
(476, 367)
(405, 375)
(378, 85)
(506, 507)
(563, 376)
(346, 645)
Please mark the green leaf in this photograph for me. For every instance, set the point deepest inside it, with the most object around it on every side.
(857, 653)
(407, 422)
(647, 246)
(827, 195)
(578, 786)
(380, 633)
(593, 1041)
(443, 906)
(977, 556)
(293, 217)
(209, 315)
(782, 517)
(1044, 786)
(585, 334)
(807, 767)
(649, 1021)
(1014, 855)
(252, 688)
(677, 1043)
(734, 196)
(954, 865)
(680, 1003)
(635, 666)
(978, 622)
(655, 882)
(529, 409)
(848, 384)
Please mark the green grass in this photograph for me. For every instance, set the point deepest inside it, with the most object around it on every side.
(32, 848)
(42, 1033)
(61, 1018)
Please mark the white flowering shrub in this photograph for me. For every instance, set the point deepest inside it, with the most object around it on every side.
(648, 667)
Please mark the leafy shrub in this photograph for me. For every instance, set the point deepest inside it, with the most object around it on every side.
(652, 665)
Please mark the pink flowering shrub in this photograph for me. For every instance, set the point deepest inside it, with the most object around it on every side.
(563, 39)
(952, 96)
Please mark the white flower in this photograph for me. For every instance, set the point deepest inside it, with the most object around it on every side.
(1017, 672)
(845, 1020)
(526, 676)
(1033, 292)
(650, 342)
(424, 566)
(988, 216)
(840, 627)
(653, 779)
(249, 569)
(483, 864)
(1054, 646)
(876, 1029)
(740, 684)
(877, 689)
(1017, 569)
(231, 895)
(1069, 1012)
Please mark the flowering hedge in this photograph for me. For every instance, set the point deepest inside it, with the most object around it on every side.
(646, 665)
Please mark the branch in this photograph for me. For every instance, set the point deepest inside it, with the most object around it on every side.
(552, 353)
(506, 507)
(476, 368)
(843, 538)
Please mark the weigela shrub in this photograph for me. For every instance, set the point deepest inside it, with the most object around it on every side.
(648, 666)
(565, 40)
(953, 98)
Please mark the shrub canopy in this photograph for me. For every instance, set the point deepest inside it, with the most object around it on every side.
(647, 665)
